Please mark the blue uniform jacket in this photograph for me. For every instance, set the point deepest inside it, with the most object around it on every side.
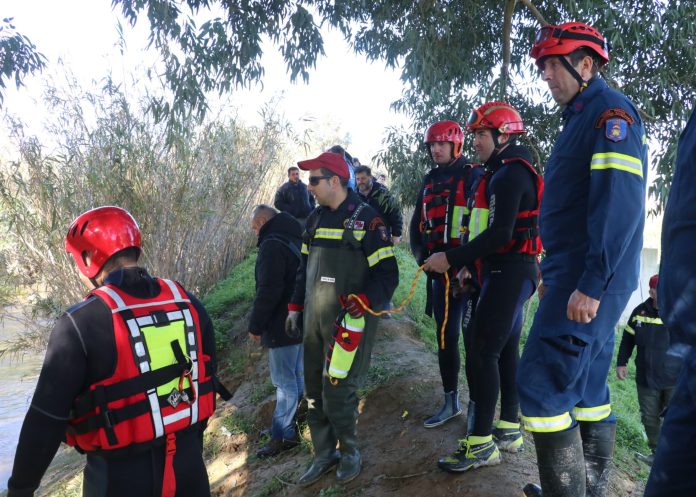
(593, 209)
(677, 288)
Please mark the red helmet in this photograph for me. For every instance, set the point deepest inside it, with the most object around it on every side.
(567, 37)
(101, 233)
(500, 116)
(446, 131)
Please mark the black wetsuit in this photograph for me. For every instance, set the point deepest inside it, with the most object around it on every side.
(507, 281)
(81, 351)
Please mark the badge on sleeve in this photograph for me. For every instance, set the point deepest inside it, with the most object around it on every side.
(616, 129)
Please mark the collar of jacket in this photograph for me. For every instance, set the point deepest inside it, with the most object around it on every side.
(581, 100)
(515, 150)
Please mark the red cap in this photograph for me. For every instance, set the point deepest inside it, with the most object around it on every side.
(653, 281)
(329, 161)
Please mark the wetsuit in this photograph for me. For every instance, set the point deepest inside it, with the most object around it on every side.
(507, 280)
(461, 307)
(81, 351)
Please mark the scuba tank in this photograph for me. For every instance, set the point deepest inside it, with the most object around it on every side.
(347, 335)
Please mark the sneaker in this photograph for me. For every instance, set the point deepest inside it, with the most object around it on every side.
(644, 459)
(508, 439)
(471, 456)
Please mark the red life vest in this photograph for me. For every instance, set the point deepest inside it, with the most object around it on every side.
(525, 236)
(162, 381)
(444, 210)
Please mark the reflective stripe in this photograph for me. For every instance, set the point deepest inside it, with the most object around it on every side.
(645, 139)
(547, 425)
(337, 373)
(304, 249)
(194, 406)
(458, 214)
(156, 413)
(613, 160)
(380, 255)
(140, 306)
(120, 304)
(177, 416)
(592, 413)
(337, 234)
(629, 330)
(148, 321)
(646, 319)
(478, 222)
(175, 290)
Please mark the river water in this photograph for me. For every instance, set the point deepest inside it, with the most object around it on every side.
(18, 376)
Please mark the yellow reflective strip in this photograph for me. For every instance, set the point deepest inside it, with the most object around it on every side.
(592, 413)
(629, 330)
(613, 160)
(457, 215)
(329, 233)
(547, 424)
(645, 139)
(379, 255)
(305, 249)
(646, 319)
(359, 234)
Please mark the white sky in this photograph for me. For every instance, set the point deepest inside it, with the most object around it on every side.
(343, 88)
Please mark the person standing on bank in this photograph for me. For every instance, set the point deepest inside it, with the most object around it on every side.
(292, 197)
(503, 244)
(378, 196)
(439, 222)
(591, 224)
(279, 241)
(347, 255)
(128, 377)
(656, 370)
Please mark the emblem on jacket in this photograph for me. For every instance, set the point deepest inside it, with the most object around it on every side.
(616, 129)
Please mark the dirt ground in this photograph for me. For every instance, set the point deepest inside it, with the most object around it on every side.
(399, 455)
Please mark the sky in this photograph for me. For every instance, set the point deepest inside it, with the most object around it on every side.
(344, 88)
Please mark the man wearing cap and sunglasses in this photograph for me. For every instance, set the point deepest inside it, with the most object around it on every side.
(591, 224)
(346, 255)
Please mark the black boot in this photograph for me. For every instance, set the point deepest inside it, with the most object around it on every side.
(325, 454)
(561, 465)
(598, 447)
(351, 462)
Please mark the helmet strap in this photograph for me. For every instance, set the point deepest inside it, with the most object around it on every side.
(569, 67)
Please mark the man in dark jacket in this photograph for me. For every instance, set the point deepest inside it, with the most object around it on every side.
(377, 196)
(276, 266)
(292, 197)
(656, 371)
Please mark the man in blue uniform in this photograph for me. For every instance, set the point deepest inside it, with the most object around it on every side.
(591, 223)
(674, 465)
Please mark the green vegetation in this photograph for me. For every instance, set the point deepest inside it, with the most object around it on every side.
(238, 423)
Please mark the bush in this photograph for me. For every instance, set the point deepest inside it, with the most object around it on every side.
(191, 193)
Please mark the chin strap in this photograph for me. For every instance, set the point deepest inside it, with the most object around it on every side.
(583, 84)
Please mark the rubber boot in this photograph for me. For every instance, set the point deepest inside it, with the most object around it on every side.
(325, 454)
(598, 447)
(449, 410)
(351, 462)
(561, 465)
(470, 410)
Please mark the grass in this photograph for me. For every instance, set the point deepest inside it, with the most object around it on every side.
(238, 423)
(262, 391)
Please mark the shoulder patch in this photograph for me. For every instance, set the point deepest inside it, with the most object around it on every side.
(358, 225)
(375, 223)
(614, 113)
(616, 129)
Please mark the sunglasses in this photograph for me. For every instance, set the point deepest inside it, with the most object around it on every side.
(314, 180)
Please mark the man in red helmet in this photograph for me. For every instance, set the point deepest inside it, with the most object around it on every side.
(591, 223)
(128, 376)
(439, 222)
(656, 369)
(503, 245)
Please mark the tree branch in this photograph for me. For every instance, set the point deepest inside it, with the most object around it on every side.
(535, 11)
(507, 27)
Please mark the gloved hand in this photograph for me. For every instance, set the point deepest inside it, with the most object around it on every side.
(352, 306)
(293, 324)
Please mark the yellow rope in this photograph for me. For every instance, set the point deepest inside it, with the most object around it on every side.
(401, 307)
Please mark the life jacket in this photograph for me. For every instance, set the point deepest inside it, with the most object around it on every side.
(444, 210)
(162, 381)
(525, 236)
